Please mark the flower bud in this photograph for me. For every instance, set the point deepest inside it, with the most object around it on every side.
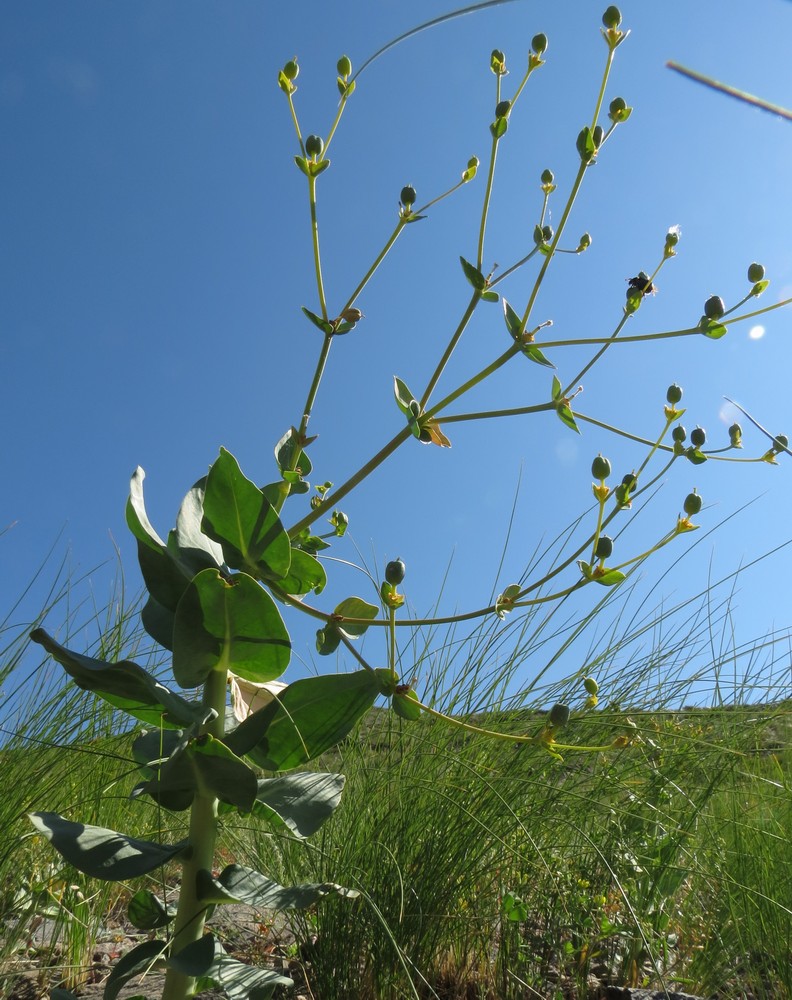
(674, 394)
(415, 408)
(679, 433)
(585, 242)
(351, 315)
(756, 272)
(590, 685)
(597, 135)
(408, 196)
(698, 436)
(547, 233)
(539, 43)
(547, 177)
(600, 468)
(558, 716)
(291, 69)
(604, 547)
(714, 307)
(692, 504)
(498, 62)
(612, 17)
(314, 145)
(344, 66)
(502, 109)
(394, 572)
(672, 237)
(780, 442)
(735, 436)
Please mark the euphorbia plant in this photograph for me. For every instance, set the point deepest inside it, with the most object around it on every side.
(216, 585)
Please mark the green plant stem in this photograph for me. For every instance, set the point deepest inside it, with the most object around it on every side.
(471, 383)
(293, 111)
(315, 241)
(352, 482)
(474, 301)
(488, 188)
(573, 382)
(311, 398)
(377, 261)
(336, 120)
(516, 411)
(191, 912)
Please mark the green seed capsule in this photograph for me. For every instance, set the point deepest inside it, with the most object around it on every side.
(597, 135)
(714, 307)
(314, 145)
(547, 177)
(735, 435)
(612, 17)
(698, 436)
(408, 196)
(547, 233)
(539, 43)
(590, 685)
(674, 394)
(415, 408)
(756, 272)
(679, 433)
(692, 504)
(291, 69)
(344, 66)
(502, 109)
(600, 468)
(780, 442)
(604, 548)
(558, 716)
(394, 572)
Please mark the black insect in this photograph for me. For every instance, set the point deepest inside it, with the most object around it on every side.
(642, 283)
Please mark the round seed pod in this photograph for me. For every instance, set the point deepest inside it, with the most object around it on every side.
(394, 572)
(600, 468)
(674, 394)
(698, 436)
(692, 504)
(714, 307)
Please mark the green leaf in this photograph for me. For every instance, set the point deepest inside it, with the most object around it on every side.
(158, 622)
(207, 958)
(164, 580)
(403, 396)
(147, 912)
(103, 853)
(228, 624)
(310, 716)
(556, 390)
(513, 322)
(355, 607)
(609, 577)
(585, 145)
(760, 287)
(323, 324)
(207, 766)
(245, 885)
(318, 167)
(566, 416)
(713, 329)
(137, 962)
(305, 574)
(187, 543)
(490, 296)
(473, 275)
(498, 128)
(124, 684)
(404, 705)
(302, 163)
(300, 803)
(695, 455)
(328, 639)
(239, 517)
(532, 351)
(285, 451)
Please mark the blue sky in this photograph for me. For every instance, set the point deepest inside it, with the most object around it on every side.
(156, 252)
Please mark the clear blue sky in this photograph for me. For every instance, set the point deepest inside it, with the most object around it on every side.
(156, 252)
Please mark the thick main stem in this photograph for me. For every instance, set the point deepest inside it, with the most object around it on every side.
(191, 912)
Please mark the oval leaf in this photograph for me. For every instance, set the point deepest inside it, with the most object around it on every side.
(245, 885)
(299, 802)
(206, 958)
(103, 853)
(228, 624)
(137, 962)
(239, 517)
(147, 912)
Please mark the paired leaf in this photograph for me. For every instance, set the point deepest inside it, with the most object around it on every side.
(239, 517)
(237, 884)
(403, 397)
(208, 766)
(473, 275)
(323, 324)
(103, 853)
(137, 962)
(305, 574)
(309, 716)
(328, 638)
(712, 328)
(187, 542)
(228, 624)
(147, 912)
(208, 959)
(299, 802)
(125, 685)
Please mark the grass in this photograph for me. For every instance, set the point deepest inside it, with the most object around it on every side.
(486, 869)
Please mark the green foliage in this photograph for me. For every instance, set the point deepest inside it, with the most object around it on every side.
(216, 588)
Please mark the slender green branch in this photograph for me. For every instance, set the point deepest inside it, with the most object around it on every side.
(513, 268)
(315, 240)
(516, 411)
(488, 188)
(293, 110)
(474, 301)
